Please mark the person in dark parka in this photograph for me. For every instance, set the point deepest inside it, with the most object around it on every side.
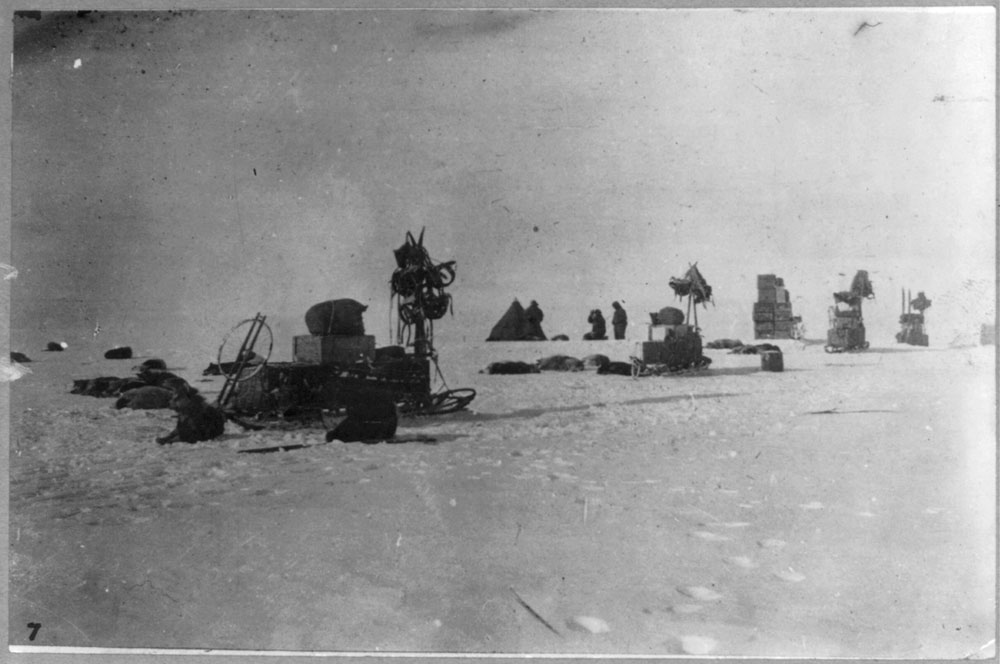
(619, 320)
(598, 328)
(533, 314)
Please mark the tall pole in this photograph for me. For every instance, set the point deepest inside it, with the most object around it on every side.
(419, 335)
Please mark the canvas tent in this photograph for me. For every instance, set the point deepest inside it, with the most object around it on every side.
(513, 326)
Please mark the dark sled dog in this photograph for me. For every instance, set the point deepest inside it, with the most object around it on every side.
(148, 397)
(197, 420)
(615, 368)
(371, 416)
(511, 367)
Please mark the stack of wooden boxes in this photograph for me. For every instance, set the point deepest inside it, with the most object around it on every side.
(772, 312)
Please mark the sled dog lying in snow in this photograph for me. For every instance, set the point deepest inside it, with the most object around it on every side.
(119, 353)
(146, 397)
(753, 349)
(370, 416)
(559, 363)
(596, 361)
(151, 363)
(105, 386)
(724, 343)
(197, 420)
(159, 377)
(510, 368)
(617, 368)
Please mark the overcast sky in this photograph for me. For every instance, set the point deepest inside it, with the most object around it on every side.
(220, 163)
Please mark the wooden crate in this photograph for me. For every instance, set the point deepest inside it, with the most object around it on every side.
(775, 295)
(766, 281)
(772, 360)
(332, 349)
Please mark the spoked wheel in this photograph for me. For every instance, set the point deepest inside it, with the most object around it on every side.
(449, 401)
(230, 349)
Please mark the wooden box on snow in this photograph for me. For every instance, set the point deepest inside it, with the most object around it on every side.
(772, 360)
(333, 349)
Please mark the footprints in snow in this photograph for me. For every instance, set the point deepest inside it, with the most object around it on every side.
(703, 596)
(700, 593)
(741, 561)
(790, 575)
(709, 537)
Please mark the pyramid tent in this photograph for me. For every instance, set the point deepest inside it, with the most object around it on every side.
(512, 326)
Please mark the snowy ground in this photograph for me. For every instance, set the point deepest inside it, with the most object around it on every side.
(713, 513)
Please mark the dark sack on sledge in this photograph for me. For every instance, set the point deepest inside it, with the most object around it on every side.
(341, 317)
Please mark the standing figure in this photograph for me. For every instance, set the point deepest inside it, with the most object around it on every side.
(619, 320)
(533, 314)
(598, 328)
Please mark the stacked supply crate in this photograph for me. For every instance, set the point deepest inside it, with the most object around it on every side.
(772, 312)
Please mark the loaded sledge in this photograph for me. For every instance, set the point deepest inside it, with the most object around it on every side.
(912, 331)
(847, 325)
(680, 346)
(337, 364)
